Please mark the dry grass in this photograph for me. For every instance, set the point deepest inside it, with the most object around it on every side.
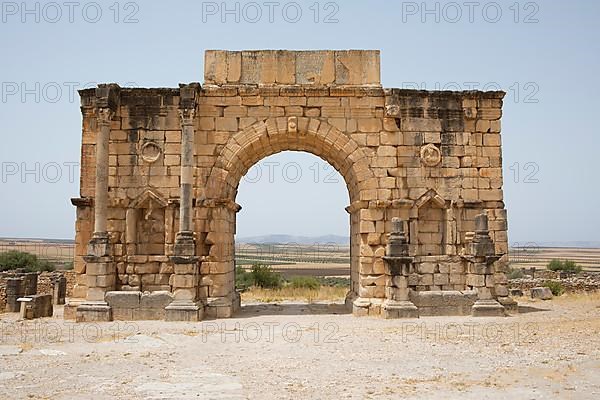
(587, 297)
(328, 293)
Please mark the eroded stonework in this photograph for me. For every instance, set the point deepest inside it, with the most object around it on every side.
(160, 170)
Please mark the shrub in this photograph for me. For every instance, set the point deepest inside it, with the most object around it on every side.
(18, 259)
(243, 279)
(515, 273)
(555, 265)
(263, 276)
(567, 266)
(305, 282)
(555, 287)
(43, 265)
(571, 266)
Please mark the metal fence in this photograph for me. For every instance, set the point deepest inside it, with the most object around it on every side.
(538, 256)
(59, 251)
(291, 253)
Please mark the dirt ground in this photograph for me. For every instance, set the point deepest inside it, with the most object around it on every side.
(293, 351)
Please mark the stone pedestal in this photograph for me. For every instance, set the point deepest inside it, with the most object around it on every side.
(222, 307)
(398, 266)
(93, 311)
(184, 286)
(101, 278)
(184, 310)
(360, 307)
(510, 305)
(70, 309)
(481, 270)
(399, 309)
(488, 308)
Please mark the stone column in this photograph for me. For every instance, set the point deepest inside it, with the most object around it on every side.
(398, 266)
(186, 277)
(184, 241)
(101, 192)
(100, 269)
(480, 270)
(98, 245)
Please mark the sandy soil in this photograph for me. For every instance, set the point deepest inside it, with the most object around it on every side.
(551, 350)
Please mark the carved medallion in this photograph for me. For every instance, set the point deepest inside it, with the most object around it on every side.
(430, 155)
(292, 124)
(150, 152)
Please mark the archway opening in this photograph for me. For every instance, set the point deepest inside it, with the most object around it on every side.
(292, 236)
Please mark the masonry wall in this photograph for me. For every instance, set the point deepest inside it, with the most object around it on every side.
(431, 158)
(44, 284)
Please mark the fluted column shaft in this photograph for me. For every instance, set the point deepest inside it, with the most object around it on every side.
(101, 188)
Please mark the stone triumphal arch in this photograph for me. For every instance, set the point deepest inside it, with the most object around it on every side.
(160, 170)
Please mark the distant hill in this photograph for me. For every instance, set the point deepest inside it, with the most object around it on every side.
(42, 240)
(573, 244)
(288, 239)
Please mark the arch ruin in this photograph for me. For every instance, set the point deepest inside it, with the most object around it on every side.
(160, 170)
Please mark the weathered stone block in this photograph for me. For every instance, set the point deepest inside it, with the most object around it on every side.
(100, 269)
(426, 268)
(440, 279)
(542, 293)
(156, 300)
(123, 299)
(147, 268)
(475, 280)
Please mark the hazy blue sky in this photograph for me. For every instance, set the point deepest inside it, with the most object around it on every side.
(545, 54)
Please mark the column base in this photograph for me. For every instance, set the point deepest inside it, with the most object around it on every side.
(221, 307)
(185, 245)
(349, 300)
(363, 306)
(488, 308)
(70, 309)
(360, 307)
(393, 309)
(98, 246)
(184, 310)
(96, 311)
(510, 305)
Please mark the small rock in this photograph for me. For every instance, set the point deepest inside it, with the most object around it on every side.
(516, 292)
(542, 293)
(49, 352)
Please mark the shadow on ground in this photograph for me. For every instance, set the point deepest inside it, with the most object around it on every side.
(529, 309)
(252, 310)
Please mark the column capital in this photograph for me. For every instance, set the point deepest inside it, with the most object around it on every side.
(187, 102)
(108, 96)
(186, 116)
(105, 115)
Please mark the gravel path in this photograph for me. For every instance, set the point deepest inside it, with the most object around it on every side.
(551, 350)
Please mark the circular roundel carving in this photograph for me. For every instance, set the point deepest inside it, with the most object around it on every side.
(150, 152)
(430, 155)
